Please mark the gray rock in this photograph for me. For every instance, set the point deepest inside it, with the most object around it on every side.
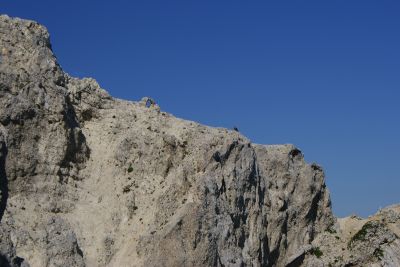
(89, 180)
(61, 245)
(8, 257)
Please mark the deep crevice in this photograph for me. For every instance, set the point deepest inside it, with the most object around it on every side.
(3, 179)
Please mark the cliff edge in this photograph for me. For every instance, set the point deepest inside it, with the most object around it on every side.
(90, 180)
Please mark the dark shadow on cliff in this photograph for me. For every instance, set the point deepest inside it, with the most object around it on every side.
(77, 151)
(16, 262)
(297, 262)
(4, 262)
(3, 180)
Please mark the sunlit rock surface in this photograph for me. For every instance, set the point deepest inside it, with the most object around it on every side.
(89, 180)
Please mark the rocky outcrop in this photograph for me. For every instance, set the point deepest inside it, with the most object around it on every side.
(359, 242)
(89, 180)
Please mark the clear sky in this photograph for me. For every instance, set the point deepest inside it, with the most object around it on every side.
(323, 75)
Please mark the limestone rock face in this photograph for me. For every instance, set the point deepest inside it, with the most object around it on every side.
(359, 242)
(89, 180)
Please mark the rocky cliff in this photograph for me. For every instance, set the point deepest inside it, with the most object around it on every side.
(89, 180)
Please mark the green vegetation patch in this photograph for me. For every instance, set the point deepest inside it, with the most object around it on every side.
(316, 252)
(331, 230)
(360, 235)
(130, 168)
(378, 253)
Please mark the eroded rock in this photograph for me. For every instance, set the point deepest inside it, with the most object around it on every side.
(89, 180)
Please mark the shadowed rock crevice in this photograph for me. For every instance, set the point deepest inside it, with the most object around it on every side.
(3, 176)
(76, 151)
(297, 262)
(4, 261)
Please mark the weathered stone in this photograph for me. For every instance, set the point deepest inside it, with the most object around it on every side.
(89, 180)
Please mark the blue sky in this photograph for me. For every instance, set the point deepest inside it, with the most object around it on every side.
(323, 75)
